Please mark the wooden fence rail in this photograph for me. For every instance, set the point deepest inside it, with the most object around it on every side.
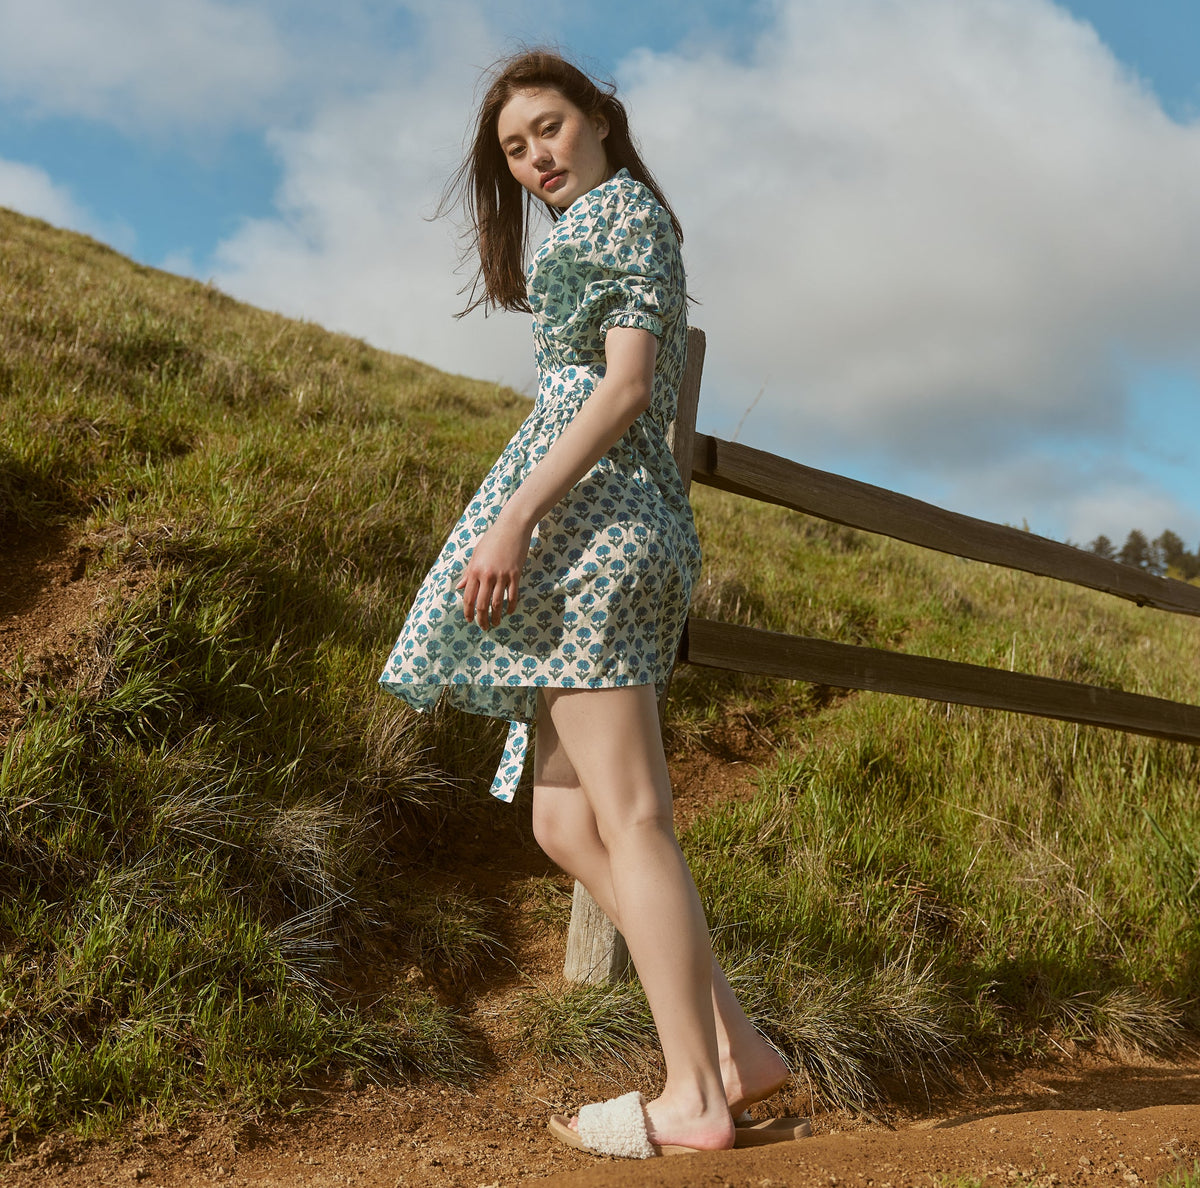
(747, 649)
(595, 951)
(764, 477)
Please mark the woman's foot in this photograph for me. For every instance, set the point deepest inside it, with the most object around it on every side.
(753, 1075)
(671, 1124)
(674, 1123)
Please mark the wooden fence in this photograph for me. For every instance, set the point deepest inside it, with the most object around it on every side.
(595, 951)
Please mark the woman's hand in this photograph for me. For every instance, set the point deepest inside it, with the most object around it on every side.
(491, 581)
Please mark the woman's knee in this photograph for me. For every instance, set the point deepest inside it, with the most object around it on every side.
(631, 818)
(547, 831)
(562, 831)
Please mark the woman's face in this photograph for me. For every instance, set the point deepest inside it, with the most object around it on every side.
(553, 149)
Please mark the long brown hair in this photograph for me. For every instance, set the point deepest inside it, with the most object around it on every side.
(496, 205)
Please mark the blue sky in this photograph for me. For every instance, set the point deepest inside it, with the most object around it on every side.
(953, 243)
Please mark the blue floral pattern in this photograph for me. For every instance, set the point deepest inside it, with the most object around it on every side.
(607, 583)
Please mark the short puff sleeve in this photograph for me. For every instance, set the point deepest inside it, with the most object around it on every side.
(634, 270)
(612, 259)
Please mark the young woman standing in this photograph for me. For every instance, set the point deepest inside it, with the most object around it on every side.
(560, 596)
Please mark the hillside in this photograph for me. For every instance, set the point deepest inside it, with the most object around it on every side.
(232, 874)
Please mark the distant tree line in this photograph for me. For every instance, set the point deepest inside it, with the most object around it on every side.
(1166, 555)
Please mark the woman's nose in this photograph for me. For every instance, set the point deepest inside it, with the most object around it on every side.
(541, 153)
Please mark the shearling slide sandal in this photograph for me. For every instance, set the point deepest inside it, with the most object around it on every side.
(618, 1127)
(613, 1127)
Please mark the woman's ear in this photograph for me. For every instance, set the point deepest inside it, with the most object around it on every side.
(600, 124)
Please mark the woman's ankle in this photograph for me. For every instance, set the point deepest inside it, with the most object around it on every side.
(686, 1121)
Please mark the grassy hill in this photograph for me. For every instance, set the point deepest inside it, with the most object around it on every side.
(211, 823)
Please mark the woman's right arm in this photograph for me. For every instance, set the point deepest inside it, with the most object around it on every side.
(491, 580)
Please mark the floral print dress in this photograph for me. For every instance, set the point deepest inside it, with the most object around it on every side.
(606, 586)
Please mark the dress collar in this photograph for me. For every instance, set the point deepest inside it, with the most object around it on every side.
(582, 201)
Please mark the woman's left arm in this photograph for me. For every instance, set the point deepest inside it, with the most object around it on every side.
(492, 577)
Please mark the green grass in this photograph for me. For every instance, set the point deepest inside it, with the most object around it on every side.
(208, 814)
(1015, 882)
(1182, 1177)
(590, 1027)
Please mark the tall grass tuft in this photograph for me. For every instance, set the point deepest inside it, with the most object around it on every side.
(587, 1026)
(1182, 1177)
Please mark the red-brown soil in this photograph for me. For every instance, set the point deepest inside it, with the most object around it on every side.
(1084, 1120)
(1081, 1122)
(45, 600)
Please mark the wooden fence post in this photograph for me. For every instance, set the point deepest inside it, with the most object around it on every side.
(596, 951)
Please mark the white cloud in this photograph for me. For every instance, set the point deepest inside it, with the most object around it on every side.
(930, 224)
(142, 63)
(180, 261)
(1119, 507)
(30, 190)
(354, 246)
(935, 231)
(1074, 496)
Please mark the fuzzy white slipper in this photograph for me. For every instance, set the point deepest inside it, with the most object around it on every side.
(618, 1127)
(614, 1127)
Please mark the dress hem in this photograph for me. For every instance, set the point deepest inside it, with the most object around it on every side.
(438, 689)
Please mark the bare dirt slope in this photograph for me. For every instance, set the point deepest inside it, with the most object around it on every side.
(1082, 1121)
(44, 597)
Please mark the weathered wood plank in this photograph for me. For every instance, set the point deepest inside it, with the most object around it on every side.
(681, 437)
(596, 951)
(760, 475)
(749, 649)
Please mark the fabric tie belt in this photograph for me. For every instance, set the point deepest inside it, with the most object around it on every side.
(512, 763)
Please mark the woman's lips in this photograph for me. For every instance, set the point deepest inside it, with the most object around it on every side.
(551, 181)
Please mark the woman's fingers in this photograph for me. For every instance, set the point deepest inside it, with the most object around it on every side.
(498, 602)
(495, 610)
(491, 578)
(487, 598)
(469, 585)
(503, 600)
(486, 608)
(491, 603)
(475, 605)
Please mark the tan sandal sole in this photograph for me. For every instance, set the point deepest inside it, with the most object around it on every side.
(773, 1130)
(757, 1134)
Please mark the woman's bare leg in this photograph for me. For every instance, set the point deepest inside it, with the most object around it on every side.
(565, 827)
(611, 739)
(602, 810)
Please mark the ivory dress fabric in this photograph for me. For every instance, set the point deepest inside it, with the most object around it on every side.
(605, 589)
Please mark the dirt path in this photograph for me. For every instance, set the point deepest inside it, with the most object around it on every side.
(1084, 1121)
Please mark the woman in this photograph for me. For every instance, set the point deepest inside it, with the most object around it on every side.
(561, 594)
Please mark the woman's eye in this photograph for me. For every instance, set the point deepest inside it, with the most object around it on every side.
(549, 129)
(516, 150)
